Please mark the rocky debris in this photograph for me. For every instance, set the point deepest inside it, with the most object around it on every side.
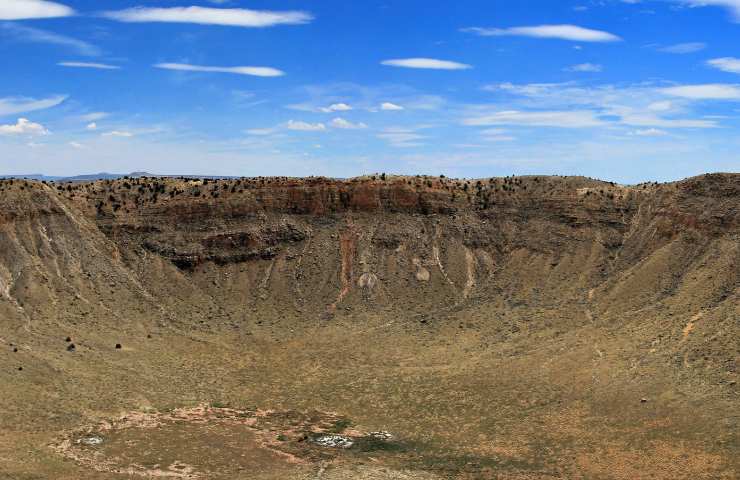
(381, 435)
(333, 441)
(91, 441)
(71, 347)
(367, 281)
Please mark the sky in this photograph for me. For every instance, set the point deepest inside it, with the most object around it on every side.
(622, 90)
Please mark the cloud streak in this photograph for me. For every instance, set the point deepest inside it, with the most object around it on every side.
(559, 119)
(15, 105)
(252, 71)
(683, 48)
(708, 91)
(426, 63)
(560, 32)
(232, 17)
(726, 64)
(21, 33)
(99, 66)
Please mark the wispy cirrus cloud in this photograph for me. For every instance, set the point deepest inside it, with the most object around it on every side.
(560, 32)
(559, 119)
(93, 116)
(15, 105)
(708, 91)
(569, 105)
(732, 5)
(585, 67)
(118, 133)
(30, 9)
(426, 63)
(98, 66)
(683, 48)
(402, 138)
(233, 17)
(22, 33)
(649, 132)
(253, 71)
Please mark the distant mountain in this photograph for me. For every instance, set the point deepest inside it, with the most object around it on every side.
(105, 176)
(80, 178)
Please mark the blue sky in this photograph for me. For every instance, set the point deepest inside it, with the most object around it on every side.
(623, 90)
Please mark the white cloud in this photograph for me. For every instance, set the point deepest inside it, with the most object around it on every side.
(21, 33)
(28, 9)
(15, 105)
(346, 125)
(390, 107)
(77, 145)
(92, 126)
(561, 119)
(562, 32)
(254, 71)
(684, 48)
(585, 67)
(649, 132)
(426, 63)
(23, 127)
(118, 133)
(709, 91)
(99, 66)
(337, 107)
(726, 64)
(235, 17)
(305, 126)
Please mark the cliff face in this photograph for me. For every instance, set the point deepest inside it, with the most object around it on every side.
(403, 243)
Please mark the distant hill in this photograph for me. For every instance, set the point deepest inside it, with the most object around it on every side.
(79, 178)
(103, 176)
